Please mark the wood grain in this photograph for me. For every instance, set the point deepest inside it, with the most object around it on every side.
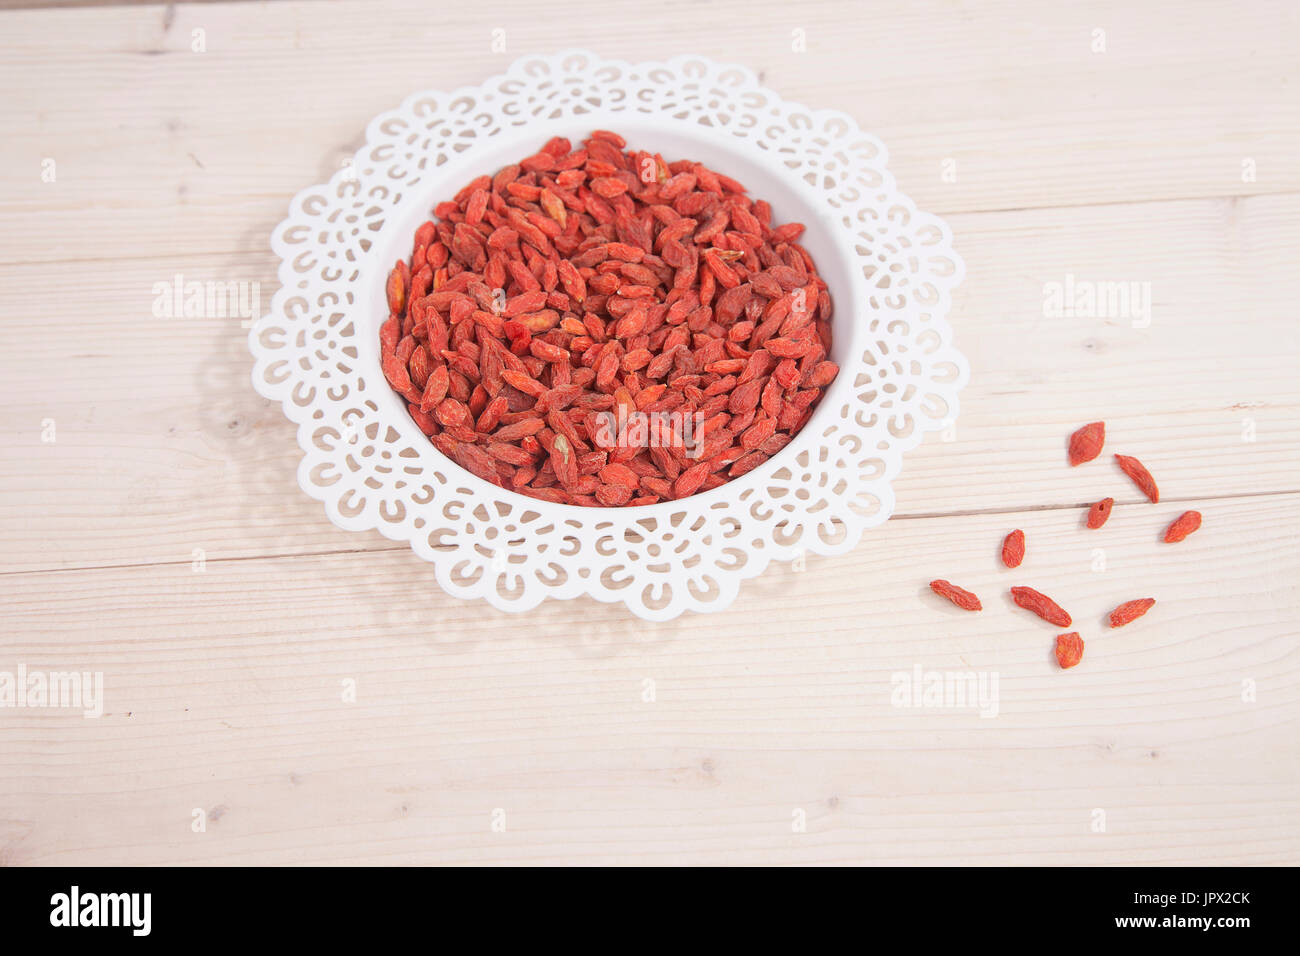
(223, 692)
(223, 684)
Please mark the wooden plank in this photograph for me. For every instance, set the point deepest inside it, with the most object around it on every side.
(1030, 116)
(223, 678)
(161, 445)
(229, 700)
(63, 4)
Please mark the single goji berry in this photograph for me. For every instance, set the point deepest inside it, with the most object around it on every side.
(1085, 444)
(1130, 611)
(1183, 525)
(1069, 649)
(396, 290)
(959, 596)
(1013, 549)
(1140, 476)
(689, 481)
(1041, 605)
(1099, 512)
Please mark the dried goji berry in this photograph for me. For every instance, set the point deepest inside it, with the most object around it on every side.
(1140, 476)
(689, 481)
(959, 596)
(580, 282)
(1013, 549)
(1069, 649)
(1041, 605)
(396, 290)
(1099, 512)
(564, 462)
(1183, 525)
(1130, 611)
(1086, 443)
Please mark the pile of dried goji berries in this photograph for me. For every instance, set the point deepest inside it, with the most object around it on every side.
(1085, 445)
(596, 326)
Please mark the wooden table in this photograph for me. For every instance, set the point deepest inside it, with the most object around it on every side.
(154, 531)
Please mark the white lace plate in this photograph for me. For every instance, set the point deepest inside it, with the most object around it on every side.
(890, 268)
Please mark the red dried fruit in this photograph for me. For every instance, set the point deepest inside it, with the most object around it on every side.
(395, 371)
(1085, 444)
(1183, 525)
(1130, 611)
(564, 462)
(1099, 512)
(1041, 605)
(1069, 649)
(581, 285)
(959, 596)
(396, 290)
(689, 481)
(613, 495)
(1013, 549)
(1140, 476)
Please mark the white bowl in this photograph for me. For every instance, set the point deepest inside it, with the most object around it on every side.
(890, 271)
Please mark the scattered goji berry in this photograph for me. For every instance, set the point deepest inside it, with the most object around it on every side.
(1013, 549)
(1140, 476)
(959, 596)
(1041, 605)
(1099, 512)
(1183, 525)
(1130, 611)
(1069, 649)
(1085, 444)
